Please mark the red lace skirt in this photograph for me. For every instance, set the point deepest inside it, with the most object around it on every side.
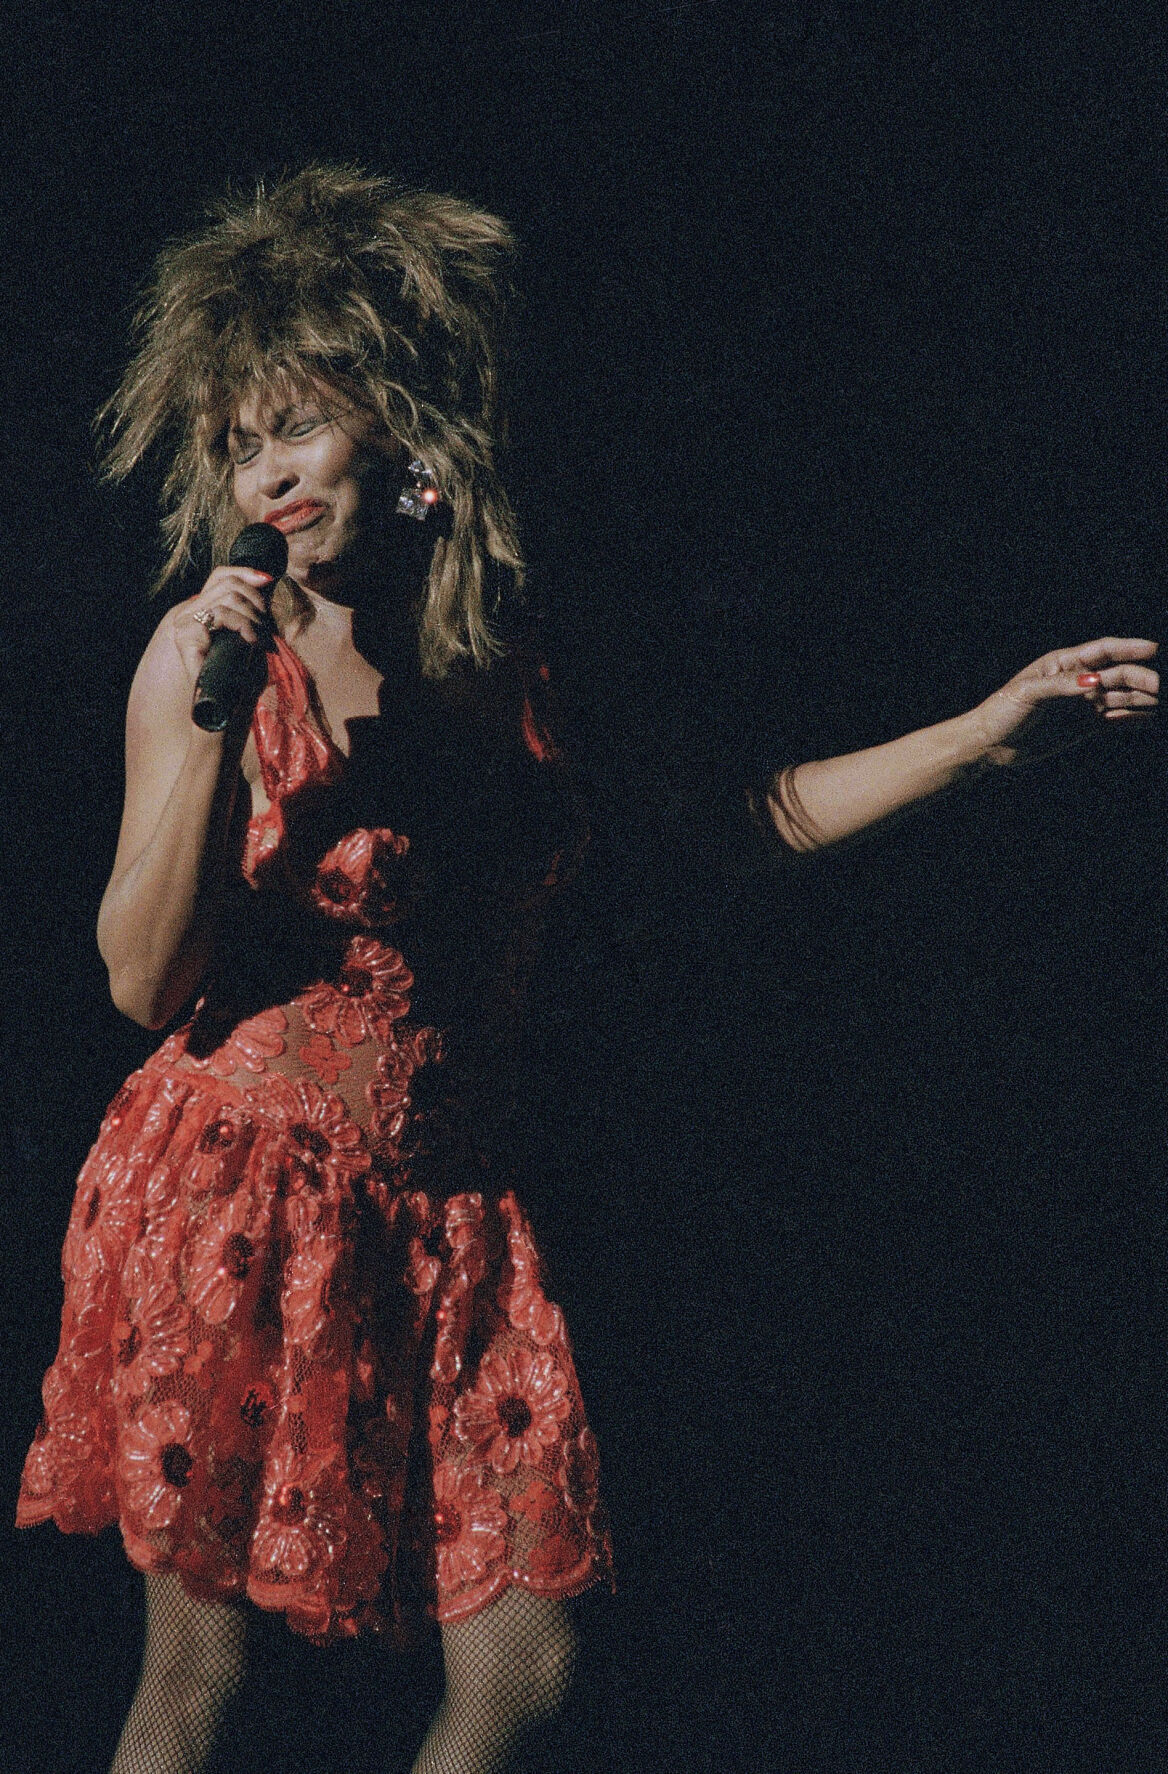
(288, 1379)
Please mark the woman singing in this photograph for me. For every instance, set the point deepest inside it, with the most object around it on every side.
(306, 1358)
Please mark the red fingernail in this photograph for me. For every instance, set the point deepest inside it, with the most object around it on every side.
(1088, 680)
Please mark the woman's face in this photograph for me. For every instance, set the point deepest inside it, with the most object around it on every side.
(313, 465)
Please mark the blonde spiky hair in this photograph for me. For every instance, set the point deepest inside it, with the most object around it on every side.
(393, 297)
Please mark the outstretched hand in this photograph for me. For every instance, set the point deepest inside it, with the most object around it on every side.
(1056, 701)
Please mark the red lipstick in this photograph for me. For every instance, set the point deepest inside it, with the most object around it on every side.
(296, 516)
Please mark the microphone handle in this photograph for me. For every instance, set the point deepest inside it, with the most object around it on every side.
(223, 679)
(231, 661)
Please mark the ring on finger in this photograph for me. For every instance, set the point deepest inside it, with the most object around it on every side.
(205, 619)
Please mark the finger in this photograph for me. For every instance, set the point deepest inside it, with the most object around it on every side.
(224, 613)
(228, 595)
(1128, 699)
(229, 585)
(1130, 677)
(1109, 650)
(255, 587)
(1079, 684)
(247, 575)
(1128, 714)
(230, 592)
(257, 615)
(244, 626)
(240, 617)
(241, 599)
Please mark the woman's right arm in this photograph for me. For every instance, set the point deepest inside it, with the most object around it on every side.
(156, 926)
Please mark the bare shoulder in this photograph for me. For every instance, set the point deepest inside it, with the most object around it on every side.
(161, 690)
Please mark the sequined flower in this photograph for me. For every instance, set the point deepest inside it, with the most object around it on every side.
(355, 879)
(464, 1220)
(293, 752)
(388, 1128)
(64, 1460)
(457, 1297)
(103, 1225)
(469, 1525)
(326, 1145)
(156, 1465)
(371, 994)
(152, 1336)
(516, 1408)
(220, 1152)
(302, 1518)
(86, 1328)
(408, 1048)
(221, 1259)
(389, 1087)
(423, 1267)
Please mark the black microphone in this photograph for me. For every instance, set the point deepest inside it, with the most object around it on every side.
(230, 661)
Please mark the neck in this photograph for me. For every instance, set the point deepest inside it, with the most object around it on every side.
(372, 599)
(379, 625)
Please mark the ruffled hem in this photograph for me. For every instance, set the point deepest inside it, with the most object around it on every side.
(592, 1570)
(304, 1611)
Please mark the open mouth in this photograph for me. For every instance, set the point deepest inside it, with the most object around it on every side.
(300, 516)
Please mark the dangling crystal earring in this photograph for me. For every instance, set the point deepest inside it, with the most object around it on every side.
(420, 495)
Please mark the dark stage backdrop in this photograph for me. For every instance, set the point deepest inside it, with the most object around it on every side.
(837, 398)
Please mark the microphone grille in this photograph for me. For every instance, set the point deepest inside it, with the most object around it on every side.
(260, 546)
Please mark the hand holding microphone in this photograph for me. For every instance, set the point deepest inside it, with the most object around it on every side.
(232, 608)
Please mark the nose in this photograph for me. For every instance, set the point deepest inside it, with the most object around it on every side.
(277, 475)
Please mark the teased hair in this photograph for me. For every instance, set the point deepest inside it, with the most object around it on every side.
(392, 296)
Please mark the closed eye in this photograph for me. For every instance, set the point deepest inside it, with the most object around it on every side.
(244, 446)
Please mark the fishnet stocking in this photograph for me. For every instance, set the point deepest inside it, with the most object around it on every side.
(193, 1664)
(507, 1669)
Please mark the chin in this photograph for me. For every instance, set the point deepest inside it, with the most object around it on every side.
(308, 560)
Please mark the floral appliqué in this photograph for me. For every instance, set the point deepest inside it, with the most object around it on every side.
(371, 993)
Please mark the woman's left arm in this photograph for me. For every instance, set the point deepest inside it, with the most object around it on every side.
(1041, 709)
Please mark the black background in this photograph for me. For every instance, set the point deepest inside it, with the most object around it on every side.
(837, 397)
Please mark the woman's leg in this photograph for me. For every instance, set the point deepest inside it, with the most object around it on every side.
(193, 1664)
(506, 1669)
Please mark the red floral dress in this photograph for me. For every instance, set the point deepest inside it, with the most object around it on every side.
(306, 1354)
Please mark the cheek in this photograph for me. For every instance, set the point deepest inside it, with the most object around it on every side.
(362, 490)
(334, 476)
